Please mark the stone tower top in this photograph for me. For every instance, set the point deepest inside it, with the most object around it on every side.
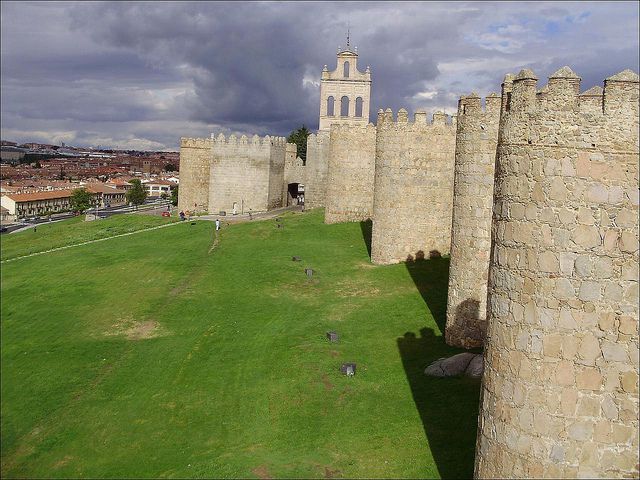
(345, 92)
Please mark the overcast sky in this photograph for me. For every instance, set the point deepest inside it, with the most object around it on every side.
(141, 75)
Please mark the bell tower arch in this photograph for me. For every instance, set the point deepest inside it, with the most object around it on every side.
(345, 81)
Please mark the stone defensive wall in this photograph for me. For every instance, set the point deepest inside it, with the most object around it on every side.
(560, 388)
(317, 166)
(350, 176)
(476, 142)
(195, 163)
(294, 169)
(413, 194)
(246, 173)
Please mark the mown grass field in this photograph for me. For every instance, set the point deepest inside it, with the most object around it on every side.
(74, 230)
(152, 355)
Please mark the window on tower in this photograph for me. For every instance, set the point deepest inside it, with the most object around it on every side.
(359, 107)
(344, 106)
(346, 70)
(330, 106)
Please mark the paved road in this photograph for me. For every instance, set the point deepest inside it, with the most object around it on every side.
(160, 205)
(254, 216)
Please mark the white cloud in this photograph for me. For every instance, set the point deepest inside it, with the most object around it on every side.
(426, 95)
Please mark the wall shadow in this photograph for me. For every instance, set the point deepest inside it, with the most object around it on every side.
(367, 228)
(431, 277)
(468, 311)
(448, 407)
(467, 324)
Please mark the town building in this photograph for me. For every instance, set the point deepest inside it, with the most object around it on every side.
(156, 187)
(44, 202)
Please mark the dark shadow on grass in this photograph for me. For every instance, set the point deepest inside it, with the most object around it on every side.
(448, 407)
(431, 277)
(367, 228)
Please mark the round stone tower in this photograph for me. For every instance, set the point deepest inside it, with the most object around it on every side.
(560, 389)
(476, 141)
(413, 186)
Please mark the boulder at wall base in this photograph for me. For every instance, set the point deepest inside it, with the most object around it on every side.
(476, 367)
(461, 364)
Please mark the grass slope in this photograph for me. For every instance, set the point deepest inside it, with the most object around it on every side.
(154, 356)
(74, 230)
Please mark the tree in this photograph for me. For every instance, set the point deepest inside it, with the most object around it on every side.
(81, 200)
(174, 196)
(299, 137)
(170, 167)
(137, 194)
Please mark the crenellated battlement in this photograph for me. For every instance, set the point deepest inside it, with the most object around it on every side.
(255, 140)
(187, 142)
(562, 93)
(386, 119)
(471, 106)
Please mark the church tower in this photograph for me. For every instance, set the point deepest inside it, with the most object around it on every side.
(345, 92)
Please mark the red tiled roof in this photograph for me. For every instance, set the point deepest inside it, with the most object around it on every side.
(46, 195)
(102, 188)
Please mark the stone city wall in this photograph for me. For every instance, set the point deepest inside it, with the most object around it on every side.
(317, 165)
(277, 187)
(195, 162)
(413, 186)
(294, 168)
(560, 388)
(246, 173)
(294, 172)
(476, 142)
(350, 175)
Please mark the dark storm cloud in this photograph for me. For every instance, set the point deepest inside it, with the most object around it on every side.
(147, 73)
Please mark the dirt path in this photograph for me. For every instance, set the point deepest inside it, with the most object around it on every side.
(216, 241)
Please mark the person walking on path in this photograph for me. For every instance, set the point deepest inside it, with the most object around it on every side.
(217, 224)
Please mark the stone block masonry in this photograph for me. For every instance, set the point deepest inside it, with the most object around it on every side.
(317, 166)
(560, 389)
(413, 186)
(476, 142)
(246, 173)
(350, 175)
(195, 163)
(294, 169)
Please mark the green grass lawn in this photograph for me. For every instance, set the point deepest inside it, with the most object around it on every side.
(152, 355)
(73, 230)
